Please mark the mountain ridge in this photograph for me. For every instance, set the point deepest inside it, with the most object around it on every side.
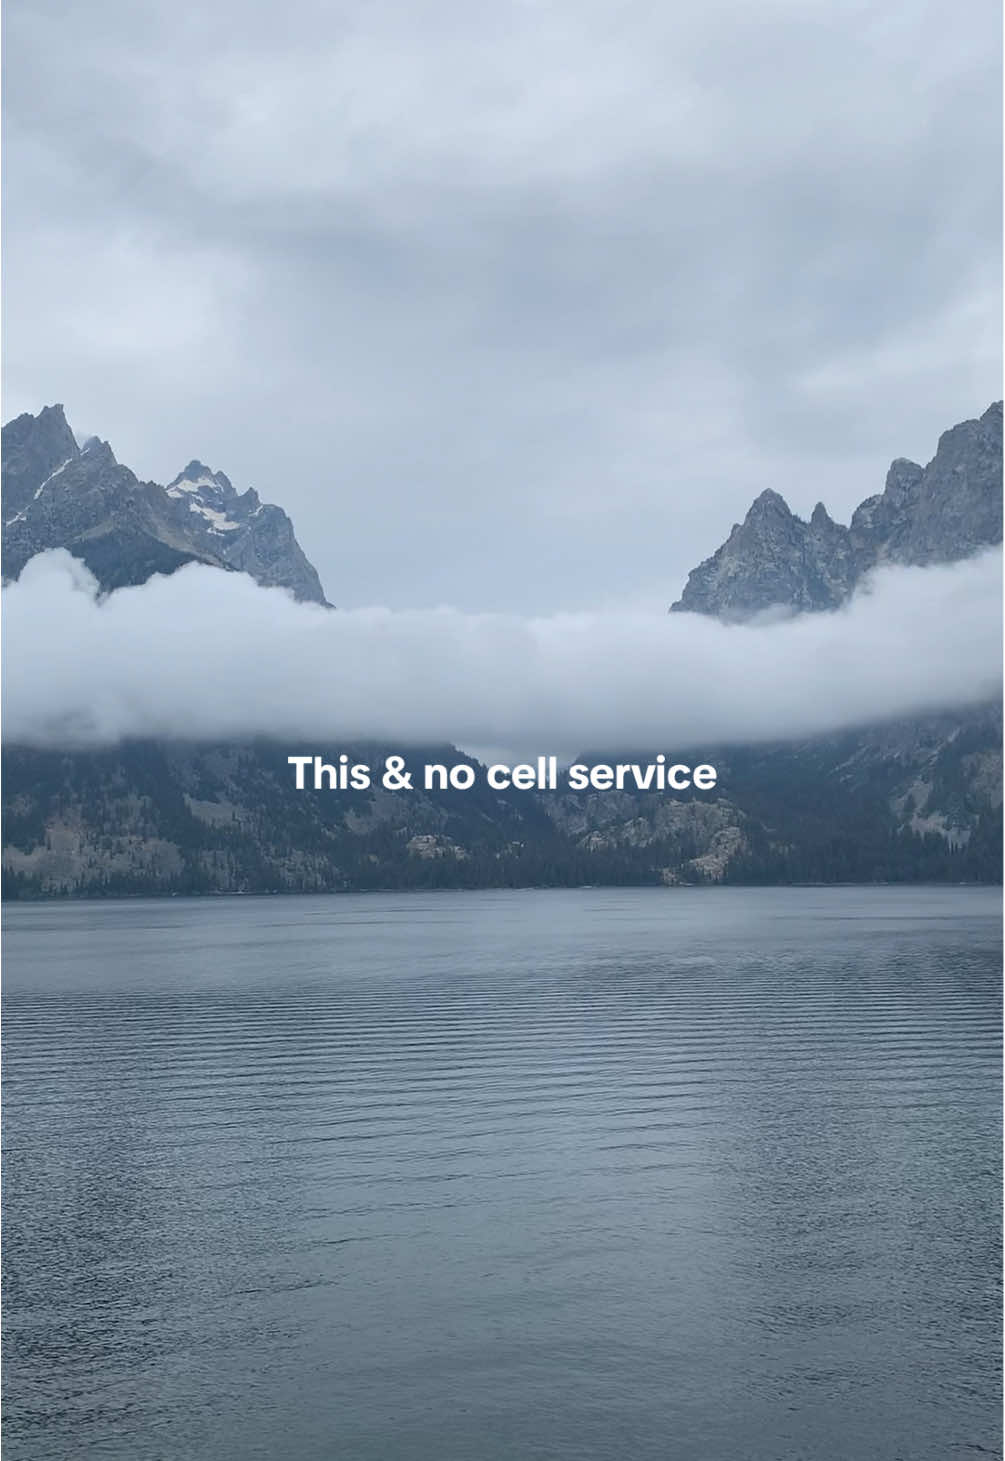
(57, 494)
(917, 799)
(936, 514)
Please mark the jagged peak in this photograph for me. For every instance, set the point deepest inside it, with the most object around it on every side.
(903, 477)
(821, 518)
(768, 503)
(990, 421)
(95, 447)
(51, 420)
(204, 518)
(198, 474)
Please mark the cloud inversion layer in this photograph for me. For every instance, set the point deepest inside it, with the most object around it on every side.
(203, 654)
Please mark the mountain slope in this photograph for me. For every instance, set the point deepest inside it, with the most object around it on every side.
(913, 800)
(152, 817)
(59, 495)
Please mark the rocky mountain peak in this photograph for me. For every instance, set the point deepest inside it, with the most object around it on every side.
(34, 447)
(98, 451)
(57, 495)
(771, 558)
(934, 514)
(903, 479)
(50, 424)
(767, 505)
(197, 474)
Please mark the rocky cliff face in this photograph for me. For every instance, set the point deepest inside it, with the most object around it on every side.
(247, 535)
(774, 558)
(934, 514)
(59, 495)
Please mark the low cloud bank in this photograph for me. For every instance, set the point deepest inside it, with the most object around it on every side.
(205, 655)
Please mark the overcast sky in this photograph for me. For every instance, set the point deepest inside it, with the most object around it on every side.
(511, 306)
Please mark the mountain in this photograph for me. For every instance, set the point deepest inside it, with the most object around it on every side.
(914, 800)
(911, 802)
(154, 817)
(57, 494)
(817, 806)
(935, 514)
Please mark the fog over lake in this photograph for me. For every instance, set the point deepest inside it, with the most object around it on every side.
(200, 653)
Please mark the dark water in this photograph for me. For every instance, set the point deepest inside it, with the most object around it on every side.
(642, 1174)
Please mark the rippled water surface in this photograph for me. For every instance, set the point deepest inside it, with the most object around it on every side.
(456, 1177)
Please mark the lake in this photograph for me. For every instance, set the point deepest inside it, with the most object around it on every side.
(683, 1174)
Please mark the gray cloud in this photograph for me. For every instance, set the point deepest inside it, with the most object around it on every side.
(203, 654)
(512, 307)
